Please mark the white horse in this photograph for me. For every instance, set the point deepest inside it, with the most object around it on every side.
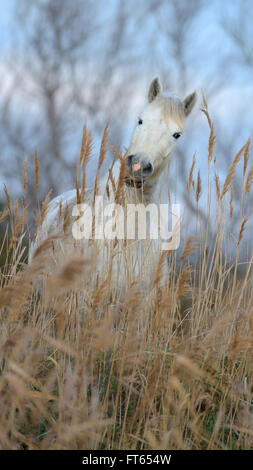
(146, 164)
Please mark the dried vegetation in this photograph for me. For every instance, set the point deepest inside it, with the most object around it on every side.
(166, 369)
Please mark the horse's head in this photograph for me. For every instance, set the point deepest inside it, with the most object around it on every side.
(158, 128)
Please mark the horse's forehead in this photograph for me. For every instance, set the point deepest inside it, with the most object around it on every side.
(167, 111)
(153, 111)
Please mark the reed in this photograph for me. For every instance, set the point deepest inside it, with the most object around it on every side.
(167, 368)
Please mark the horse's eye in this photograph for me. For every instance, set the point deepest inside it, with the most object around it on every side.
(177, 135)
(140, 121)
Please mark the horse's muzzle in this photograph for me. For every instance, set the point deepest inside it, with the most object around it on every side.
(137, 170)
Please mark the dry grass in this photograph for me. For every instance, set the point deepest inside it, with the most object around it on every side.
(166, 369)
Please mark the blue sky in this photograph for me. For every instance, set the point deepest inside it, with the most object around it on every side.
(5, 19)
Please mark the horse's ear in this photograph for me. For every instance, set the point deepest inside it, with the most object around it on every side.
(189, 102)
(154, 90)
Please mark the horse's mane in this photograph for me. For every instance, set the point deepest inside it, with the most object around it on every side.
(172, 108)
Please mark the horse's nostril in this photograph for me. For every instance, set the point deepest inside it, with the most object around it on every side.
(130, 159)
(148, 168)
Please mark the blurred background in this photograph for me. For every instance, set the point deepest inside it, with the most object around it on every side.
(65, 63)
